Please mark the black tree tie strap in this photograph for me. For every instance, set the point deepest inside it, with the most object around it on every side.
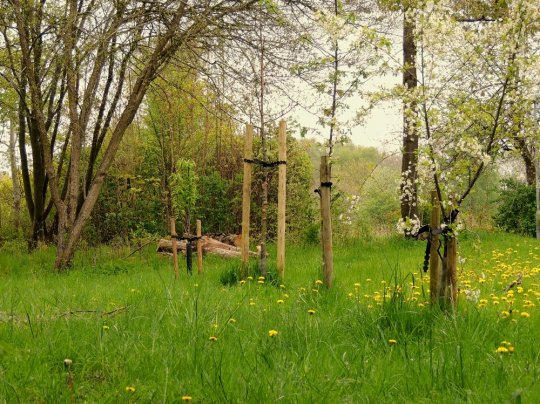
(327, 184)
(263, 163)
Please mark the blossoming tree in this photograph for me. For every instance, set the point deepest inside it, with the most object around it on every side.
(467, 77)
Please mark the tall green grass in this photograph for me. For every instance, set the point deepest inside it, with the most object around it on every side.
(128, 323)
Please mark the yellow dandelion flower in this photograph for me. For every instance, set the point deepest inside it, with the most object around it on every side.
(311, 312)
(187, 398)
(511, 349)
(318, 282)
(130, 389)
(502, 349)
(250, 278)
(213, 338)
(242, 282)
(356, 285)
(261, 278)
(505, 314)
(285, 295)
(392, 341)
(280, 301)
(282, 286)
(525, 314)
(272, 333)
(260, 282)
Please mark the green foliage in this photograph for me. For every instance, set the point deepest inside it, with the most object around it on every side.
(517, 208)
(230, 276)
(184, 190)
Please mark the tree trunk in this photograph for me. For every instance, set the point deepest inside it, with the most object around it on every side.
(408, 187)
(15, 177)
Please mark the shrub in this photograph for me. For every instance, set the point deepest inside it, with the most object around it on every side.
(516, 213)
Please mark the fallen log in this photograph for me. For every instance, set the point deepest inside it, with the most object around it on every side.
(209, 246)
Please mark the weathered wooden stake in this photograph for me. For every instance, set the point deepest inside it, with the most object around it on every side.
(326, 219)
(434, 259)
(246, 199)
(448, 285)
(174, 247)
(449, 274)
(282, 196)
(199, 247)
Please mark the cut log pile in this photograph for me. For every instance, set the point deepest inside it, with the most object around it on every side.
(209, 245)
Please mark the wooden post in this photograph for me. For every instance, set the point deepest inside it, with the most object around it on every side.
(282, 196)
(434, 259)
(448, 286)
(449, 279)
(199, 247)
(174, 247)
(326, 219)
(246, 199)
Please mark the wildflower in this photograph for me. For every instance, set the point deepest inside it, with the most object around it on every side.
(525, 314)
(272, 333)
(511, 349)
(356, 285)
(186, 398)
(242, 282)
(280, 301)
(68, 362)
(105, 327)
(260, 282)
(250, 278)
(311, 312)
(261, 278)
(505, 314)
(318, 282)
(392, 341)
(506, 343)
(502, 349)
(285, 295)
(130, 389)
(232, 320)
(213, 338)
(282, 286)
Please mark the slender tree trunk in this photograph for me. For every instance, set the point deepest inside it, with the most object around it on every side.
(408, 188)
(15, 177)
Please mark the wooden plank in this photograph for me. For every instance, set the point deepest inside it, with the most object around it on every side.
(282, 197)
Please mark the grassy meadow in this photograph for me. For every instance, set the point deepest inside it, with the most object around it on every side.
(131, 333)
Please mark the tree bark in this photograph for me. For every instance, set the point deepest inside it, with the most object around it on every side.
(14, 177)
(409, 162)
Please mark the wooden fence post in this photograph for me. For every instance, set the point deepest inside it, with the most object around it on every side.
(199, 247)
(246, 199)
(282, 195)
(326, 218)
(434, 259)
(174, 247)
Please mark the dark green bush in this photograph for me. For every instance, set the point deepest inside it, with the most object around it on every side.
(516, 213)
